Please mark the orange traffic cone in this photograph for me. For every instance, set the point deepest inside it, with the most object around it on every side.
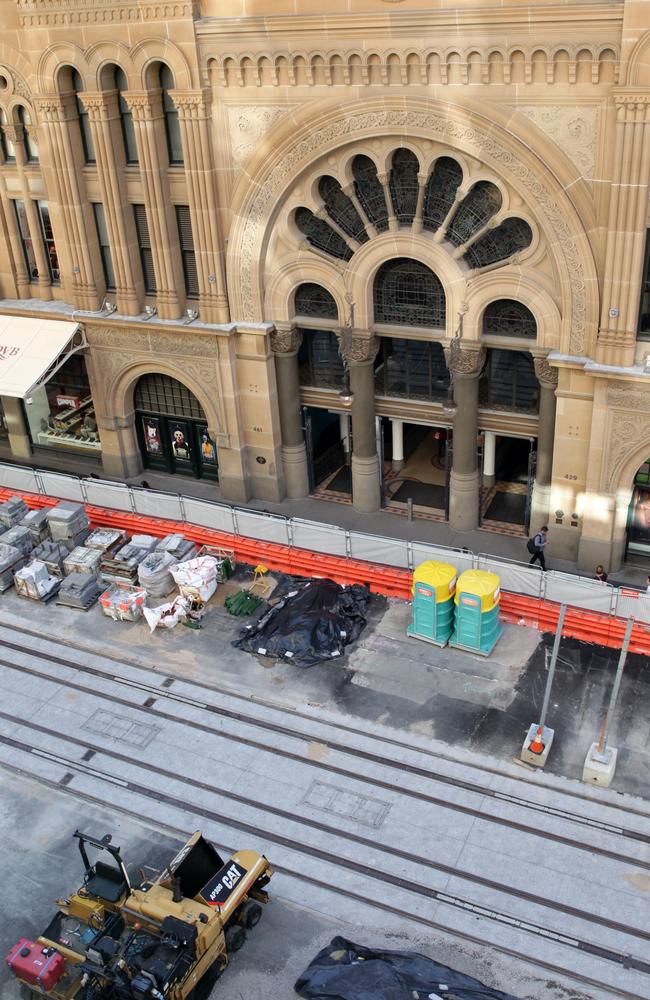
(536, 745)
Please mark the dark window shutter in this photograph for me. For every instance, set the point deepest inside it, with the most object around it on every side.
(144, 243)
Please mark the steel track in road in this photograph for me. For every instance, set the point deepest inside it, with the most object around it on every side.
(166, 694)
(411, 887)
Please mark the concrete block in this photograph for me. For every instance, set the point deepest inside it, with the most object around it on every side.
(528, 755)
(599, 768)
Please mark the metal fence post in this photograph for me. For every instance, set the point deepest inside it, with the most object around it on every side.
(348, 544)
(39, 482)
(181, 504)
(289, 526)
(132, 498)
(235, 526)
(601, 750)
(84, 490)
(409, 556)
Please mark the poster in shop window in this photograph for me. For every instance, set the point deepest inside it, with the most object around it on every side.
(179, 440)
(208, 448)
(152, 439)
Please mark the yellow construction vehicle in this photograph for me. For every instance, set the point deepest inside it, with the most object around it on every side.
(167, 939)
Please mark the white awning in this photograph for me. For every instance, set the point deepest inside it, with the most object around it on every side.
(32, 350)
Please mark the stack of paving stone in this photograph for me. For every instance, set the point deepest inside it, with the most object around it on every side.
(37, 524)
(19, 537)
(11, 560)
(34, 581)
(121, 567)
(83, 560)
(53, 555)
(68, 523)
(79, 590)
(122, 604)
(154, 573)
(12, 511)
(178, 546)
(104, 539)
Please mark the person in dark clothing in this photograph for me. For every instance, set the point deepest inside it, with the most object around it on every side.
(540, 541)
(601, 574)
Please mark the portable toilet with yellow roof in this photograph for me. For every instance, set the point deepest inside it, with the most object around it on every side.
(477, 627)
(433, 602)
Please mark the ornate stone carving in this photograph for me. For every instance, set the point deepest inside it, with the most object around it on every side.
(626, 433)
(248, 126)
(432, 124)
(20, 87)
(360, 349)
(462, 361)
(151, 342)
(546, 374)
(574, 130)
(285, 341)
(626, 395)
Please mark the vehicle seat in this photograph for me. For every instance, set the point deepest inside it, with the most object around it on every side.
(105, 882)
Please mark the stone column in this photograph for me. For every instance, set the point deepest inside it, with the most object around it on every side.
(489, 457)
(422, 186)
(547, 378)
(285, 343)
(397, 428)
(195, 125)
(626, 231)
(465, 366)
(65, 185)
(360, 356)
(19, 439)
(152, 155)
(104, 118)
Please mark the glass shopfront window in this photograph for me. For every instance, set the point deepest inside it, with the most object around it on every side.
(61, 413)
(4, 432)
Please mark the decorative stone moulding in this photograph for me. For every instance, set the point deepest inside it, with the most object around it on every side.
(54, 13)
(588, 63)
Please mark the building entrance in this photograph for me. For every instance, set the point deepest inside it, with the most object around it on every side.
(508, 483)
(172, 429)
(327, 458)
(638, 520)
(422, 476)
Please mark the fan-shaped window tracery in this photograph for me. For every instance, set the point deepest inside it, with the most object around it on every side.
(404, 187)
(477, 207)
(498, 244)
(440, 192)
(408, 293)
(370, 192)
(509, 318)
(341, 210)
(314, 300)
(321, 235)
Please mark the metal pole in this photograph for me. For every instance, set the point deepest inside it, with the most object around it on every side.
(602, 746)
(551, 672)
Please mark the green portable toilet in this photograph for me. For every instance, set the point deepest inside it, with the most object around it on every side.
(477, 626)
(433, 602)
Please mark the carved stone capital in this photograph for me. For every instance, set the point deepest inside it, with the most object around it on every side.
(51, 108)
(100, 106)
(285, 339)
(465, 362)
(144, 106)
(192, 105)
(546, 375)
(360, 349)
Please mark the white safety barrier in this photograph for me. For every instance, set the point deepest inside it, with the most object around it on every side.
(518, 578)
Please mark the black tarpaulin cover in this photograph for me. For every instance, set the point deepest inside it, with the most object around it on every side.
(313, 623)
(347, 971)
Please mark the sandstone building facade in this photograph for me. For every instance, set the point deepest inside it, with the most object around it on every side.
(394, 250)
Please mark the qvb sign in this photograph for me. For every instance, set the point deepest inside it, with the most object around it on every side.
(221, 886)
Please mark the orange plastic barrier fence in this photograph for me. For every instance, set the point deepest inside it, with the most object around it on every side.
(590, 626)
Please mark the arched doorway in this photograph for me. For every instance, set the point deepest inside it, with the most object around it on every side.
(172, 428)
(638, 520)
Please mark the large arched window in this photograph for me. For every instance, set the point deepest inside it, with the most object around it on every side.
(82, 115)
(408, 293)
(440, 192)
(341, 210)
(314, 300)
(29, 137)
(508, 318)
(509, 382)
(477, 208)
(170, 112)
(370, 192)
(321, 235)
(404, 187)
(411, 369)
(498, 244)
(162, 394)
(126, 117)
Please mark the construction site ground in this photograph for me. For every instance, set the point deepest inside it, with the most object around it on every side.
(91, 737)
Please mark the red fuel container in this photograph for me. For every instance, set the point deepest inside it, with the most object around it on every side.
(36, 965)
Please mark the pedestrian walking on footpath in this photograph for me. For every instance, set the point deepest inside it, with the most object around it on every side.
(536, 545)
(601, 574)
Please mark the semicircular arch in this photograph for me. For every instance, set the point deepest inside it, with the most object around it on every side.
(120, 392)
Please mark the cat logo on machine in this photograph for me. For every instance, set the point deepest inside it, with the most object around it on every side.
(220, 887)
